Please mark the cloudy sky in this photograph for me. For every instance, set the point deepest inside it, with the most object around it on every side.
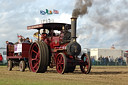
(105, 24)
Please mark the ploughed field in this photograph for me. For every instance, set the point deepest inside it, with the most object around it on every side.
(100, 75)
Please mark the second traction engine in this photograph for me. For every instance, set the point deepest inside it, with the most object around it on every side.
(60, 50)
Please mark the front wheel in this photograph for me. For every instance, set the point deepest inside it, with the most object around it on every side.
(61, 63)
(10, 65)
(86, 64)
(22, 66)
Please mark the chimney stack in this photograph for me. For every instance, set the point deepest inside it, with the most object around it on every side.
(73, 28)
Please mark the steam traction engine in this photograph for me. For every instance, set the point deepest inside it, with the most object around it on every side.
(57, 50)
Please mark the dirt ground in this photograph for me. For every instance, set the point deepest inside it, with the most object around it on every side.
(100, 75)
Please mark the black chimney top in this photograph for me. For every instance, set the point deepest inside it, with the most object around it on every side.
(73, 28)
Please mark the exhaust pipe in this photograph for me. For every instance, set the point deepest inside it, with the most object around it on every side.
(73, 29)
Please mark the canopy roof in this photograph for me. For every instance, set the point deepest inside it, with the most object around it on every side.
(49, 26)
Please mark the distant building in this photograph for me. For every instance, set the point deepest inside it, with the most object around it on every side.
(104, 52)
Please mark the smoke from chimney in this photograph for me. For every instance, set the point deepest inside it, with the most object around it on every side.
(81, 7)
(105, 25)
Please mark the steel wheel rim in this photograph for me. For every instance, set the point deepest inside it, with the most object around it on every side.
(20, 66)
(60, 63)
(38, 57)
(9, 65)
(34, 57)
(86, 67)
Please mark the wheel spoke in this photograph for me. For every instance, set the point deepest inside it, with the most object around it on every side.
(85, 67)
(37, 57)
(60, 60)
(38, 51)
(35, 66)
(60, 63)
(61, 68)
(35, 45)
(34, 51)
(57, 66)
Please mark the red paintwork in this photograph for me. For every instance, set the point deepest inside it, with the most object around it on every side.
(10, 50)
(14, 57)
(25, 50)
(24, 54)
(60, 63)
(56, 46)
(35, 58)
(1, 58)
(54, 41)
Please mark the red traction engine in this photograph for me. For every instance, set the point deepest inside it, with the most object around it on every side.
(60, 50)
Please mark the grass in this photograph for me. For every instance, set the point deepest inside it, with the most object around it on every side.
(100, 75)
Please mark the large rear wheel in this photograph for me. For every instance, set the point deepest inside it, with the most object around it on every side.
(86, 65)
(39, 57)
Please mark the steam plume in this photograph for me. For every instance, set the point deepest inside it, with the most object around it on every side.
(105, 25)
(81, 7)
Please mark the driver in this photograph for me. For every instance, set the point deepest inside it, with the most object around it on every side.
(65, 35)
(44, 35)
(52, 33)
